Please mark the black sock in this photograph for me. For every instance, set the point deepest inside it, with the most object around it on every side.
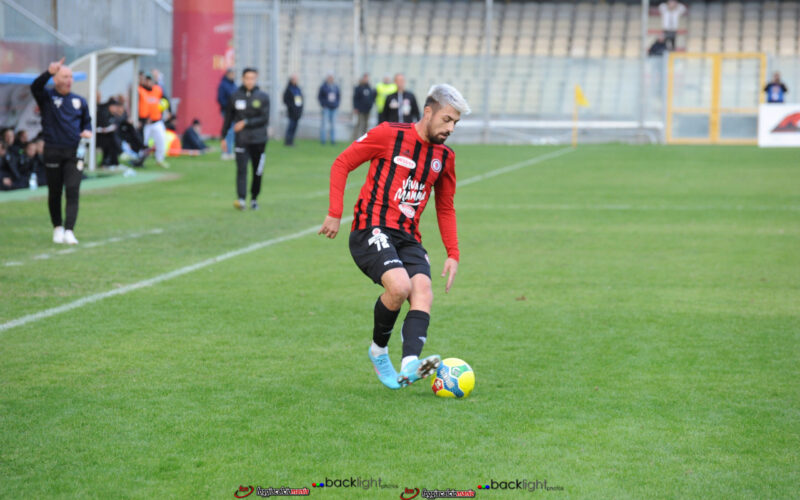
(415, 332)
(384, 322)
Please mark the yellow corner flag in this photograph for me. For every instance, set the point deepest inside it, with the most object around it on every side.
(580, 99)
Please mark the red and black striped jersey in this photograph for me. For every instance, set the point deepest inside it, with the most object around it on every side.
(404, 170)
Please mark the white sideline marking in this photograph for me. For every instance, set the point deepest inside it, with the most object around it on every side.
(91, 244)
(515, 166)
(632, 208)
(90, 299)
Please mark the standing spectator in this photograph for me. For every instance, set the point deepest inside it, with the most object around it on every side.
(402, 105)
(776, 90)
(671, 12)
(329, 97)
(192, 138)
(293, 99)
(363, 98)
(248, 112)
(150, 113)
(65, 120)
(226, 88)
(382, 91)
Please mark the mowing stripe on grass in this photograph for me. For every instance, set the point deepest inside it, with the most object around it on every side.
(91, 244)
(90, 299)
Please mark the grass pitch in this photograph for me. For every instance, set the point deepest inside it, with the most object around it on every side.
(631, 314)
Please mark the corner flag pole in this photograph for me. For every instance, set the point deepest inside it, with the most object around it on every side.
(575, 122)
(579, 99)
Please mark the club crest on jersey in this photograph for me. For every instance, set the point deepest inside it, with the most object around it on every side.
(408, 210)
(436, 165)
(405, 162)
(76, 103)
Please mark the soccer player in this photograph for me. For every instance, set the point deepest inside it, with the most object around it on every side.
(248, 112)
(407, 162)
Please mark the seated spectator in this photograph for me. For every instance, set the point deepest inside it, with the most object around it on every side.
(10, 175)
(192, 139)
(107, 134)
(129, 139)
(19, 142)
(658, 48)
(7, 136)
(31, 163)
(41, 173)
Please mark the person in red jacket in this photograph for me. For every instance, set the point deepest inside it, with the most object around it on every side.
(407, 162)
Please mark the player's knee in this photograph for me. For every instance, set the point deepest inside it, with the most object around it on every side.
(398, 290)
(421, 298)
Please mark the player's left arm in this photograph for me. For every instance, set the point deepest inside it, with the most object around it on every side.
(445, 189)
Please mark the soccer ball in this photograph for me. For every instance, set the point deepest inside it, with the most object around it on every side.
(454, 379)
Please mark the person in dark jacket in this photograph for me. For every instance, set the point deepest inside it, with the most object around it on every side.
(31, 163)
(363, 99)
(328, 97)
(192, 139)
(248, 112)
(400, 106)
(226, 88)
(65, 121)
(293, 99)
(658, 48)
(11, 175)
(108, 133)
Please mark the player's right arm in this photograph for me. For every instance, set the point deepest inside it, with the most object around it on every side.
(367, 147)
(37, 87)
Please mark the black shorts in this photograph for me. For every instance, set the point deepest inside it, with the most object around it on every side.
(378, 249)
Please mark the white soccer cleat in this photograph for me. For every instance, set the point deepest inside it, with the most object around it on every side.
(58, 235)
(69, 238)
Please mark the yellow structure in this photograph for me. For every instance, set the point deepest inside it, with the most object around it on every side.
(713, 90)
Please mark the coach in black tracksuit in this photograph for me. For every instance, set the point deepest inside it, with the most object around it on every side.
(248, 111)
(65, 120)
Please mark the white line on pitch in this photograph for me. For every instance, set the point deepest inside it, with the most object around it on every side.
(90, 299)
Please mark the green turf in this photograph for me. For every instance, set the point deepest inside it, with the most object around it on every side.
(632, 315)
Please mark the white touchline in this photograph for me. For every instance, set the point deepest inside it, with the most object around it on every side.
(90, 299)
